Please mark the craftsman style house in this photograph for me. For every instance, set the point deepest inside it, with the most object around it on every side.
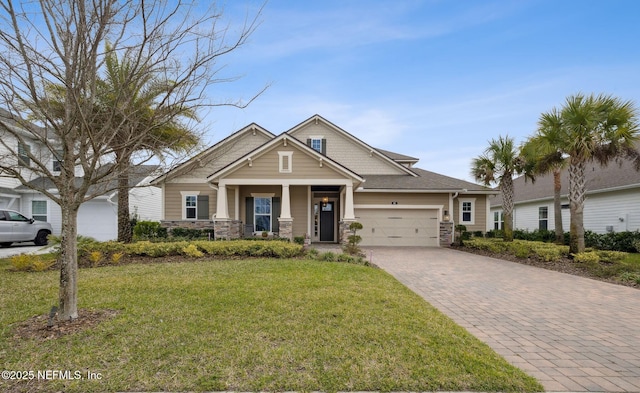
(314, 180)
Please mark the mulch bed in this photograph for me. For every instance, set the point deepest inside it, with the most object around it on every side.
(564, 265)
(37, 328)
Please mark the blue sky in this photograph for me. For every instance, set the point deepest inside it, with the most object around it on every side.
(431, 79)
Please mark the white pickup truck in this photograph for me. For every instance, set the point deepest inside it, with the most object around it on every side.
(15, 227)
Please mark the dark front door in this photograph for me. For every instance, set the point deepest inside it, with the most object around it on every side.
(326, 222)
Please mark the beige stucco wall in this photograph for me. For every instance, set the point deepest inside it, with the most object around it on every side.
(346, 151)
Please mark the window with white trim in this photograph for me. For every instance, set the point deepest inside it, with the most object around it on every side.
(39, 210)
(23, 154)
(262, 214)
(316, 144)
(285, 162)
(57, 161)
(191, 206)
(467, 207)
(498, 220)
(543, 218)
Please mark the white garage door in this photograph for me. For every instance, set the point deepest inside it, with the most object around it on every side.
(398, 227)
(98, 219)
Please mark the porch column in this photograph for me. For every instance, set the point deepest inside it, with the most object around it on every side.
(349, 214)
(285, 220)
(285, 209)
(222, 208)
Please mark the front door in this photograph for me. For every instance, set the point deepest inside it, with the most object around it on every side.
(327, 222)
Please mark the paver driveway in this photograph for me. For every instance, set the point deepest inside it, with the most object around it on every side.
(572, 333)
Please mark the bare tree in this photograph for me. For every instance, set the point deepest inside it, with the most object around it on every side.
(52, 55)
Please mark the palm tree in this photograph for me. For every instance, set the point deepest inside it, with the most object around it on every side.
(499, 163)
(594, 128)
(544, 152)
(133, 88)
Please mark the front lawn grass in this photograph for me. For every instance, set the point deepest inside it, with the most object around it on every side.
(248, 325)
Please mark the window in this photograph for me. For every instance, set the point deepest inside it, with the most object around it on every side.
(285, 162)
(466, 211)
(191, 206)
(262, 214)
(543, 214)
(39, 210)
(57, 161)
(316, 144)
(23, 154)
(498, 220)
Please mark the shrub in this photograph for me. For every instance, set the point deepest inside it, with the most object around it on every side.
(192, 251)
(611, 256)
(590, 257)
(298, 240)
(116, 257)
(189, 233)
(327, 256)
(146, 230)
(352, 247)
(478, 234)
(520, 250)
(630, 276)
(30, 263)
(95, 257)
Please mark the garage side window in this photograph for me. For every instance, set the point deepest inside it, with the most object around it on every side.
(39, 210)
(467, 211)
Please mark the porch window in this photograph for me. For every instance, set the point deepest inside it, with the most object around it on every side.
(466, 211)
(543, 218)
(39, 210)
(262, 214)
(191, 206)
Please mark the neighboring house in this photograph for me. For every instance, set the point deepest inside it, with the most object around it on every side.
(314, 180)
(97, 218)
(612, 203)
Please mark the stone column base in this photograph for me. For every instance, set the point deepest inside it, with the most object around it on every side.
(286, 228)
(446, 233)
(344, 232)
(222, 230)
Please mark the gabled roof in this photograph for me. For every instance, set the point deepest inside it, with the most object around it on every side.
(425, 180)
(318, 118)
(204, 155)
(615, 176)
(399, 157)
(272, 144)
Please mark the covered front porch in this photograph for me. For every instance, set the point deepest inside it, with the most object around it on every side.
(321, 209)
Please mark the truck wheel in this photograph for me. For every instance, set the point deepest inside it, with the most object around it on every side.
(41, 238)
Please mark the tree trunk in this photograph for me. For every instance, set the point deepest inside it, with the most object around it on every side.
(506, 186)
(124, 219)
(557, 206)
(576, 205)
(68, 297)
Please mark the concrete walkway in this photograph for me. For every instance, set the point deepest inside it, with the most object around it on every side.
(571, 333)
